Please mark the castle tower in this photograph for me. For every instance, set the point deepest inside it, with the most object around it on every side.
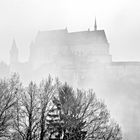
(14, 53)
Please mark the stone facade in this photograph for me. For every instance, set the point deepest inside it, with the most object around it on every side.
(67, 54)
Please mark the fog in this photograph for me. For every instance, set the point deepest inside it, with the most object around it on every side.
(22, 19)
(118, 84)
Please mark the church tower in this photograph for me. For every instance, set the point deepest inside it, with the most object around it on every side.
(14, 53)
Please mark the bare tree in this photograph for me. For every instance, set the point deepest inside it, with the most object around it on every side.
(26, 116)
(83, 116)
(46, 92)
(8, 90)
(113, 132)
(56, 111)
(31, 109)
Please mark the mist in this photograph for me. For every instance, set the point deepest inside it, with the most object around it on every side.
(22, 19)
(33, 24)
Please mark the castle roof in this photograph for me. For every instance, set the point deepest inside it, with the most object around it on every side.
(51, 37)
(85, 37)
(63, 37)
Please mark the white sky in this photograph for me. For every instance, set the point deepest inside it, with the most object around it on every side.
(21, 19)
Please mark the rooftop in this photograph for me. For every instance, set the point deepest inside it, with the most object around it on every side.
(62, 36)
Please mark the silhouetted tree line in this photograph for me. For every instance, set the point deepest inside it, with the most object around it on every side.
(52, 111)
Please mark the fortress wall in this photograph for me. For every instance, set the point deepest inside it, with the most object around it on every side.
(124, 69)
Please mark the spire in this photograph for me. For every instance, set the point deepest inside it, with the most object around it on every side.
(95, 25)
(14, 52)
(14, 46)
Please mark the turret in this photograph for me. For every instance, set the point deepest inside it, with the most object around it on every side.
(14, 53)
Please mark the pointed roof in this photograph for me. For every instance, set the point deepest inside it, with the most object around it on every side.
(63, 37)
(87, 37)
(14, 47)
(52, 36)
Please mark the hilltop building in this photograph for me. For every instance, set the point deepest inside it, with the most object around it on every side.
(76, 57)
(62, 53)
(83, 60)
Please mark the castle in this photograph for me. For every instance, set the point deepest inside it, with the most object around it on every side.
(76, 57)
(83, 60)
(63, 54)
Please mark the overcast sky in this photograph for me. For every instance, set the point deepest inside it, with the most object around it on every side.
(22, 19)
